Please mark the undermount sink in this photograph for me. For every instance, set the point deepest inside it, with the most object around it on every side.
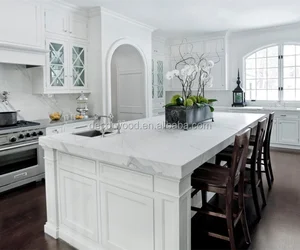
(91, 133)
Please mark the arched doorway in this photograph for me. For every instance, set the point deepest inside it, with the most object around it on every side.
(128, 86)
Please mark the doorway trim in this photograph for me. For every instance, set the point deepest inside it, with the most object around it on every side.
(107, 84)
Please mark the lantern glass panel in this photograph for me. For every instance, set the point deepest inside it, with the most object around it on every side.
(238, 97)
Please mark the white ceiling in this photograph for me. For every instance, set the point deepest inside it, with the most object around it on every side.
(199, 16)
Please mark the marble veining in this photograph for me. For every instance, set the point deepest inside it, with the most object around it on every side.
(168, 152)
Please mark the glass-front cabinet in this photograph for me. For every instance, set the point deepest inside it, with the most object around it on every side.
(57, 76)
(157, 79)
(158, 92)
(78, 66)
(66, 67)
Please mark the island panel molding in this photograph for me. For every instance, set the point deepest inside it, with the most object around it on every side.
(140, 196)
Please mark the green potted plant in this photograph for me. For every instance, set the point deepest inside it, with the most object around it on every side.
(188, 109)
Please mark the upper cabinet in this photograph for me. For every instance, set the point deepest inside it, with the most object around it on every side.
(66, 39)
(65, 71)
(21, 23)
(66, 24)
(213, 49)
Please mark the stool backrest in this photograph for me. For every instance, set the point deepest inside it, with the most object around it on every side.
(239, 154)
(259, 139)
(269, 131)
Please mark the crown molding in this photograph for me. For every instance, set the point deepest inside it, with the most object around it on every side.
(95, 11)
(69, 6)
(159, 39)
(127, 19)
(264, 29)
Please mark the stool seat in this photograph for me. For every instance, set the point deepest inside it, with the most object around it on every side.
(211, 175)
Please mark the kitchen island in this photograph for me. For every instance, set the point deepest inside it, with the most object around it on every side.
(130, 191)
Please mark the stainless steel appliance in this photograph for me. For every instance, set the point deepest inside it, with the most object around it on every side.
(21, 158)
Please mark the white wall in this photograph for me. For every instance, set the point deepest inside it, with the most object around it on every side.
(16, 80)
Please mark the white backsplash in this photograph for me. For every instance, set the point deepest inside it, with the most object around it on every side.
(16, 80)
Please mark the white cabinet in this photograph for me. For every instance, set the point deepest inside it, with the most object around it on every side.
(78, 204)
(214, 46)
(158, 83)
(78, 27)
(65, 71)
(218, 73)
(213, 49)
(78, 127)
(73, 127)
(56, 22)
(66, 24)
(122, 225)
(54, 130)
(288, 131)
(21, 23)
(274, 131)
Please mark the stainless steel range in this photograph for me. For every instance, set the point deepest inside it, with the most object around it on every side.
(21, 158)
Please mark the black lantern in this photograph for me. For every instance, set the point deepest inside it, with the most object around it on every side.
(238, 94)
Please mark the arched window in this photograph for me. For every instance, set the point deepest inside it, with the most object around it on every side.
(273, 73)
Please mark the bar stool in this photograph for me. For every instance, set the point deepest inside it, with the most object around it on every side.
(222, 181)
(255, 165)
(266, 157)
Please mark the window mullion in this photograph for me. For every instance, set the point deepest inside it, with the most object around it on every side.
(280, 73)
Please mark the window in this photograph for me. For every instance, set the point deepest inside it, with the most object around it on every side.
(273, 74)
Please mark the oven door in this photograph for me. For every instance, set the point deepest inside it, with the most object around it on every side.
(18, 162)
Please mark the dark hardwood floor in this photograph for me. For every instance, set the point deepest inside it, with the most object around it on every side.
(23, 215)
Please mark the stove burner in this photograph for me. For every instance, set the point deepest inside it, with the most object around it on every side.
(20, 124)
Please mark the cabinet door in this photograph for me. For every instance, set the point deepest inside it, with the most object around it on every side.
(288, 131)
(57, 77)
(135, 220)
(78, 66)
(274, 132)
(78, 27)
(20, 23)
(78, 204)
(218, 73)
(56, 22)
(214, 46)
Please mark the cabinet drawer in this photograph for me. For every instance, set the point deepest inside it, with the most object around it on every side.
(126, 177)
(76, 164)
(78, 126)
(54, 130)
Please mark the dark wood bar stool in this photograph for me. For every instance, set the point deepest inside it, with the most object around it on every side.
(223, 181)
(255, 164)
(266, 157)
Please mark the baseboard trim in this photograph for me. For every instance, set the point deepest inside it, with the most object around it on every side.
(51, 230)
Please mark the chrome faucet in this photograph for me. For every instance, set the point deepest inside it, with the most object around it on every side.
(105, 127)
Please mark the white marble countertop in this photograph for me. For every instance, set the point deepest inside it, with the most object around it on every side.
(258, 108)
(168, 152)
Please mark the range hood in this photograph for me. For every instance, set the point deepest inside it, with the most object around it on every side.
(18, 54)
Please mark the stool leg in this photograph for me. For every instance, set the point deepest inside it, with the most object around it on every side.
(229, 221)
(261, 186)
(242, 208)
(204, 197)
(254, 191)
(270, 165)
(267, 172)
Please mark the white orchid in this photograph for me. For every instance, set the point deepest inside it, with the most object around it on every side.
(176, 72)
(189, 69)
(210, 64)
